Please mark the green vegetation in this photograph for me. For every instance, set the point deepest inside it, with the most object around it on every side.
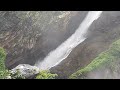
(16, 75)
(3, 71)
(110, 55)
(2, 59)
(45, 74)
(4, 74)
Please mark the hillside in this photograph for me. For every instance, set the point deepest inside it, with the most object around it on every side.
(105, 65)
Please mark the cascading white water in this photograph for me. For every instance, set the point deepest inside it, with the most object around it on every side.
(62, 51)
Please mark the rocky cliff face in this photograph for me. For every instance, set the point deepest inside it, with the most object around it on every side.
(100, 35)
(29, 36)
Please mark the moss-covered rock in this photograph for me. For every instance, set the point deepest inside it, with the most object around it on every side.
(106, 59)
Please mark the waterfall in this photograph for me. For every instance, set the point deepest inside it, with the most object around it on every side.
(62, 51)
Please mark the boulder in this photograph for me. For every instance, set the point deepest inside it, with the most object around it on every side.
(25, 70)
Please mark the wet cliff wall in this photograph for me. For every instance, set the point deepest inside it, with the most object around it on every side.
(29, 36)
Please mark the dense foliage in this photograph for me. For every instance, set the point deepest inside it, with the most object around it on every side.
(45, 74)
(110, 55)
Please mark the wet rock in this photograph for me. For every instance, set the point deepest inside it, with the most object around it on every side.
(25, 70)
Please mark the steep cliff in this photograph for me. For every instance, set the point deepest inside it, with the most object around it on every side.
(29, 36)
(99, 37)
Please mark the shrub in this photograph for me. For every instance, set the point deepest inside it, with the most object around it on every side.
(4, 74)
(45, 74)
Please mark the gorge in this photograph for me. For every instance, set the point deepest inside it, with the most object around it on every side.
(62, 41)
